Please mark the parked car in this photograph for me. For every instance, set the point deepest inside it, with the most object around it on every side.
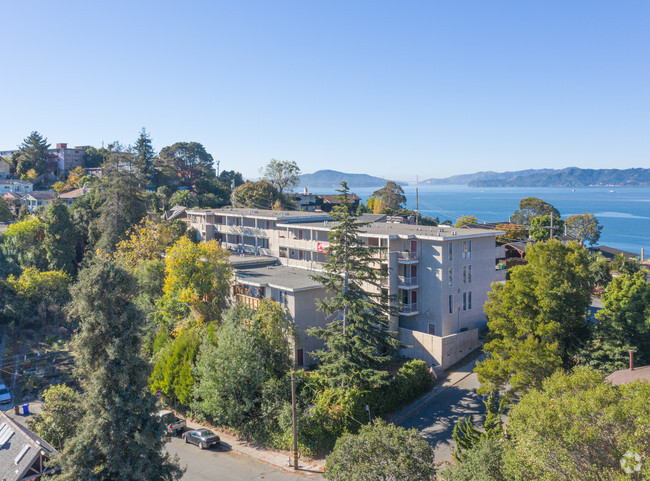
(5, 396)
(203, 438)
(173, 423)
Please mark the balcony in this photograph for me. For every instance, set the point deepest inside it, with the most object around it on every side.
(407, 257)
(407, 282)
(248, 301)
(408, 309)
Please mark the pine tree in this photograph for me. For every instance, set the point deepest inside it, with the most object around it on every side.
(123, 200)
(118, 437)
(358, 341)
(33, 154)
(144, 157)
(60, 238)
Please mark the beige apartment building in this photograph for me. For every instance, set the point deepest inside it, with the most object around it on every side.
(439, 276)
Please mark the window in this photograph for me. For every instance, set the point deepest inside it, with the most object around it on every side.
(464, 274)
(299, 357)
(469, 300)
(432, 329)
(450, 277)
(469, 274)
(450, 251)
(451, 303)
(467, 249)
(464, 301)
(282, 297)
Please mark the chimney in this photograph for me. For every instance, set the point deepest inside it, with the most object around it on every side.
(631, 359)
(642, 255)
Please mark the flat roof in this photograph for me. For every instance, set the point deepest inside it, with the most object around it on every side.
(243, 260)
(288, 215)
(396, 229)
(287, 278)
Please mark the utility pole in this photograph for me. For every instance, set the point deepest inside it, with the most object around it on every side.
(232, 186)
(293, 415)
(218, 162)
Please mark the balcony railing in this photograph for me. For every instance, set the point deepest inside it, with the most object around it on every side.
(408, 309)
(407, 281)
(248, 301)
(407, 256)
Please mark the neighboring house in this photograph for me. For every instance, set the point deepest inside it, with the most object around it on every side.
(305, 201)
(5, 168)
(38, 198)
(625, 376)
(70, 197)
(15, 185)
(609, 252)
(23, 454)
(439, 276)
(15, 200)
(176, 212)
(327, 202)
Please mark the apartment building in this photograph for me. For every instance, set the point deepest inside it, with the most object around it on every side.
(60, 159)
(439, 276)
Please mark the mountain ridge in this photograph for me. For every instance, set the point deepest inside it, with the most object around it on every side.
(567, 177)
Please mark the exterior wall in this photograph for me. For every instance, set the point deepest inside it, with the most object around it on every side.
(438, 351)
(482, 262)
(303, 308)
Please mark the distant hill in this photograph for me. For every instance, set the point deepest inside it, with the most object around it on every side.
(465, 179)
(333, 179)
(571, 177)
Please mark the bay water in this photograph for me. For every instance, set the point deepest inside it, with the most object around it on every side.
(624, 213)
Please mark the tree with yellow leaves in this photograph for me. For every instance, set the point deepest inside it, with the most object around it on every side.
(147, 241)
(197, 282)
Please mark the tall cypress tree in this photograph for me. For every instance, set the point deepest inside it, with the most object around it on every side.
(144, 157)
(33, 154)
(61, 238)
(123, 198)
(357, 341)
(119, 435)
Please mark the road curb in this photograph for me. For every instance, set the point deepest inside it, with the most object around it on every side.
(235, 447)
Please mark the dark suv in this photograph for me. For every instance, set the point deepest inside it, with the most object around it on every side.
(203, 438)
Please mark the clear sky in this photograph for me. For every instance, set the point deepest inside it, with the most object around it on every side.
(397, 89)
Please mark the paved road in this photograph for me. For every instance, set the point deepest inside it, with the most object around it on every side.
(225, 465)
(436, 420)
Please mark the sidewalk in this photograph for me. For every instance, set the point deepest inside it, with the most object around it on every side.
(447, 379)
(277, 459)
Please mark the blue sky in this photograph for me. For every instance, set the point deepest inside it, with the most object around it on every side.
(395, 89)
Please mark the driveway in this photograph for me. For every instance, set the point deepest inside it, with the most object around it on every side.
(436, 420)
(226, 465)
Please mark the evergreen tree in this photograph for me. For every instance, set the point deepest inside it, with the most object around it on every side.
(118, 437)
(123, 201)
(144, 157)
(358, 341)
(60, 238)
(5, 212)
(33, 154)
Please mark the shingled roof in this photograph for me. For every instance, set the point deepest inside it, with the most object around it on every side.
(22, 452)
